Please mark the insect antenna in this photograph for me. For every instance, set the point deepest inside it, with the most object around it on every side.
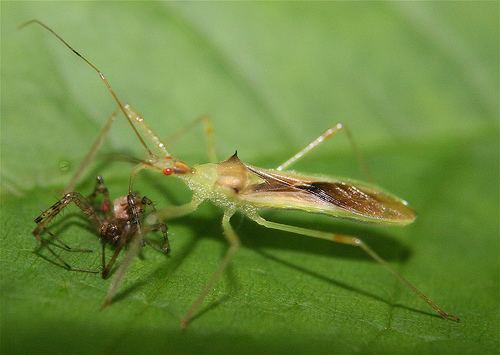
(99, 72)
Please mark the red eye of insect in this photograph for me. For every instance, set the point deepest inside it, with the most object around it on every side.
(168, 171)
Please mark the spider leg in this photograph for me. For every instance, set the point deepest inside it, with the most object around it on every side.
(100, 188)
(61, 262)
(44, 219)
(135, 242)
(165, 248)
(108, 266)
(61, 245)
(57, 207)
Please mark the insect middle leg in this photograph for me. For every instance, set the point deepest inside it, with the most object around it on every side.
(208, 131)
(354, 241)
(234, 244)
(137, 123)
(329, 133)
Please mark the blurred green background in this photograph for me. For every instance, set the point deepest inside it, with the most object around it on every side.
(417, 83)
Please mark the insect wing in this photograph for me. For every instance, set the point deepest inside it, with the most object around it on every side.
(339, 198)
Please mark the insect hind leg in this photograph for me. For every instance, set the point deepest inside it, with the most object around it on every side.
(354, 241)
(329, 133)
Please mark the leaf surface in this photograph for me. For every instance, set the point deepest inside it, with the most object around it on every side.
(417, 84)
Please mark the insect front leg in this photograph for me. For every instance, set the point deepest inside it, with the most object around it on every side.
(175, 211)
(158, 148)
(329, 133)
(92, 152)
(354, 241)
(234, 244)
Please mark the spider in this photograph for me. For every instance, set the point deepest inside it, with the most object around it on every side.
(118, 225)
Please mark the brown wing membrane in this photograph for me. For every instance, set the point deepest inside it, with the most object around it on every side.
(357, 199)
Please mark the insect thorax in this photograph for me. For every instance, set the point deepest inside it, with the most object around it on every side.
(220, 183)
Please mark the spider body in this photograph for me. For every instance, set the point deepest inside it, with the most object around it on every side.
(116, 226)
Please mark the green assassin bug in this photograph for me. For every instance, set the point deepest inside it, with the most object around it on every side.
(235, 186)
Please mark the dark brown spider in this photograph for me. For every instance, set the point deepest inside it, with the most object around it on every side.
(116, 224)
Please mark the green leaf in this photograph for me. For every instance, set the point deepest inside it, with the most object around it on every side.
(417, 84)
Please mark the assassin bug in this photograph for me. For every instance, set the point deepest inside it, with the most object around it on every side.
(116, 224)
(235, 186)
